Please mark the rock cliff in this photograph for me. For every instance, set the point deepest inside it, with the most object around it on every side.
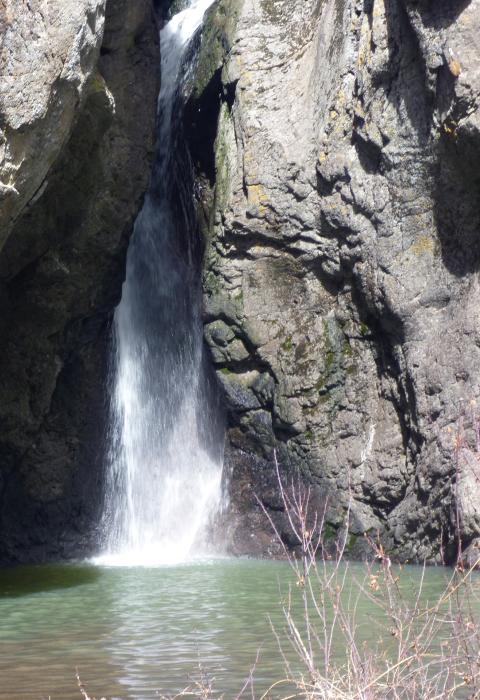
(77, 116)
(336, 146)
(339, 190)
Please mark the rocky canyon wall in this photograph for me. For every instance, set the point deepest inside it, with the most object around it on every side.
(336, 146)
(78, 91)
(339, 190)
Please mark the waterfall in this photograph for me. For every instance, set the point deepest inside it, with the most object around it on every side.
(164, 481)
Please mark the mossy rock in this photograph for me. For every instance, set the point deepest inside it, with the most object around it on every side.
(177, 6)
(347, 350)
(364, 330)
(217, 39)
(351, 542)
(329, 532)
(287, 344)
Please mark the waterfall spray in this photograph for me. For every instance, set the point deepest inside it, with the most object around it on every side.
(164, 481)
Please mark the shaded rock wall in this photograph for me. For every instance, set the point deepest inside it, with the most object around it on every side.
(341, 219)
(78, 108)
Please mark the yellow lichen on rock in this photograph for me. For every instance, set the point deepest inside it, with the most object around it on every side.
(257, 197)
(454, 67)
(425, 243)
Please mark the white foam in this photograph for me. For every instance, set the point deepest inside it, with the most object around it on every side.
(164, 484)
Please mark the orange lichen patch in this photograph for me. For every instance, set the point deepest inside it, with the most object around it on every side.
(425, 243)
(450, 128)
(454, 67)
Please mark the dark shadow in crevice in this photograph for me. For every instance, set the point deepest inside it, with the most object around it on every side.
(388, 337)
(406, 81)
(200, 121)
(445, 92)
(457, 200)
(162, 9)
(369, 153)
(438, 14)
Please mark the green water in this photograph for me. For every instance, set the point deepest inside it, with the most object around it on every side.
(133, 632)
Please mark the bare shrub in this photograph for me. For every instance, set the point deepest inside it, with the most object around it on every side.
(424, 651)
(82, 688)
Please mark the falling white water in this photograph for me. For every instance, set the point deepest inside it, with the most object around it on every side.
(165, 478)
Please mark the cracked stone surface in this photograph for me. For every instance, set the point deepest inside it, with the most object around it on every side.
(342, 228)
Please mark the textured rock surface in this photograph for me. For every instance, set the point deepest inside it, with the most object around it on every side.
(341, 274)
(48, 53)
(78, 104)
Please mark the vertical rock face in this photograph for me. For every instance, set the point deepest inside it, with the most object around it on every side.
(340, 198)
(78, 107)
(336, 145)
